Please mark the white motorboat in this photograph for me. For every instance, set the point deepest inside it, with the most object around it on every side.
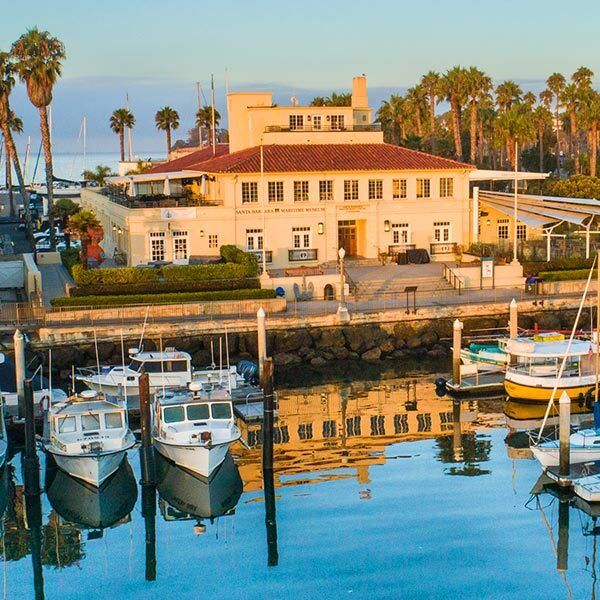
(487, 356)
(169, 368)
(88, 436)
(584, 447)
(195, 427)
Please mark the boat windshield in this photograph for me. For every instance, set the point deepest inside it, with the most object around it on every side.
(136, 365)
(67, 425)
(90, 422)
(173, 414)
(113, 420)
(221, 410)
(196, 412)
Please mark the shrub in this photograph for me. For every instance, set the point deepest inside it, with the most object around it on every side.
(101, 301)
(564, 275)
(558, 264)
(165, 287)
(122, 275)
(70, 258)
(197, 272)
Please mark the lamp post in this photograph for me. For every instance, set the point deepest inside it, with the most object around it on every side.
(516, 207)
(342, 311)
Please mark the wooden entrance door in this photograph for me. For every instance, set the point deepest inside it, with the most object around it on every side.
(347, 237)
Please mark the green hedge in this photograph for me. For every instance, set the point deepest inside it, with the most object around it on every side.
(100, 301)
(166, 287)
(559, 264)
(69, 258)
(565, 275)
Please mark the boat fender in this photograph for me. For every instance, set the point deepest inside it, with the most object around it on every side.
(580, 400)
(440, 382)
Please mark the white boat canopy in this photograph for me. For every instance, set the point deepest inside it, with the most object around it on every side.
(527, 347)
(491, 175)
(146, 177)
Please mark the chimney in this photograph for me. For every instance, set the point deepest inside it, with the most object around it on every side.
(359, 92)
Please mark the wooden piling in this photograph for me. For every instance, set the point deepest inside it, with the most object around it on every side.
(145, 410)
(564, 433)
(19, 348)
(562, 547)
(31, 465)
(456, 346)
(456, 431)
(262, 339)
(513, 321)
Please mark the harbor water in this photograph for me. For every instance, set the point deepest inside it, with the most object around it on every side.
(382, 490)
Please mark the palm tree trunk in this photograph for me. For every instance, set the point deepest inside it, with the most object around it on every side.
(432, 120)
(541, 136)
(456, 130)
(480, 143)
(83, 255)
(556, 124)
(473, 130)
(594, 148)
(46, 142)
(17, 166)
(419, 124)
(122, 144)
(168, 142)
(574, 141)
(11, 196)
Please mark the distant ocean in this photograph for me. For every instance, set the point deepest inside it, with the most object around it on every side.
(70, 166)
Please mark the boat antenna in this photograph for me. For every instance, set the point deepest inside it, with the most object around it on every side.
(73, 380)
(49, 377)
(97, 359)
(123, 365)
(162, 364)
(212, 354)
(220, 358)
(227, 357)
(568, 349)
(140, 345)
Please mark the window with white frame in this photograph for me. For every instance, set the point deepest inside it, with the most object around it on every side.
(503, 229)
(351, 189)
(254, 239)
(296, 121)
(316, 122)
(398, 188)
(446, 187)
(375, 189)
(441, 231)
(213, 240)
(157, 246)
(275, 191)
(300, 191)
(180, 245)
(337, 122)
(301, 237)
(400, 233)
(423, 188)
(249, 191)
(325, 190)
(521, 232)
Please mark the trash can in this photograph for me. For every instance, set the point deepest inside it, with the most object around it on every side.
(532, 285)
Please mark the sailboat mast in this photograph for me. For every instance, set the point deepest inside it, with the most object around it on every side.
(198, 120)
(213, 128)
(597, 340)
(129, 131)
(84, 142)
(26, 162)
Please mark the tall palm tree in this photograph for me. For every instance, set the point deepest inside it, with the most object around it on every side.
(7, 83)
(385, 116)
(515, 126)
(39, 58)
(167, 119)
(98, 175)
(416, 100)
(582, 78)
(15, 124)
(80, 224)
(430, 82)
(317, 101)
(204, 119)
(529, 98)
(454, 87)
(121, 119)
(556, 84)
(590, 116)
(542, 119)
(571, 100)
(478, 86)
(487, 116)
(343, 99)
(507, 93)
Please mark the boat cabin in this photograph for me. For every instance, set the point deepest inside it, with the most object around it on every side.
(168, 361)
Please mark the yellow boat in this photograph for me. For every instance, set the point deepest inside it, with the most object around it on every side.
(534, 366)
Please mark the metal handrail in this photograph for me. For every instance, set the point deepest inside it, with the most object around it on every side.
(455, 280)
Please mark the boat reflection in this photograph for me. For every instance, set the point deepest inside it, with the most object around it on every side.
(185, 496)
(87, 507)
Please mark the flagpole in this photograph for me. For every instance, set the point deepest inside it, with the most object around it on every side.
(515, 241)
(198, 121)
(262, 197)
(129, 131)
(214, 130)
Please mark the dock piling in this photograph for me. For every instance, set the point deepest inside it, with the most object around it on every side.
(456, 345)
(564, 426)
(31, 465)
(513, 321)
(262, 339)
(19, 347)
(562, 547)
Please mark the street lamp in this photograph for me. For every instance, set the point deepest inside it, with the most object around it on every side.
(342, 311)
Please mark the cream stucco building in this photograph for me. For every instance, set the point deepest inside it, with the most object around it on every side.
(296, 182)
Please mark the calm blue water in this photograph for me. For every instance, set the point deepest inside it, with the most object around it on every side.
(392, 507)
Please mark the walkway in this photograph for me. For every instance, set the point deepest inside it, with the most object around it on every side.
(54, 280)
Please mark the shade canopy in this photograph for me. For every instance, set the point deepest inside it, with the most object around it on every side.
(492, 175)
(148, 177)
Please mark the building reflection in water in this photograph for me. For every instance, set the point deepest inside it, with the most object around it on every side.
(333, 426)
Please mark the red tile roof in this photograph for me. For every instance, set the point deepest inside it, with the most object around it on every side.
(282, 158)
(189, 161)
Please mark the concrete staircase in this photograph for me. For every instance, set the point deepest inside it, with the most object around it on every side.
(376, 288)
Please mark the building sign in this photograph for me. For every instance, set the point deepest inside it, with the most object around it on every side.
(487, 268)
(353, 207)
(168, 214)
(273, 210)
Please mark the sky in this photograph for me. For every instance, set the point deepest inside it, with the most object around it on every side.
(156, 50)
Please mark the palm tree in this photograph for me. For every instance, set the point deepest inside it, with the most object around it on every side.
(167, 119)
(416, 100)
(39, 58)
(542, 119)
(478, 86)
(98, 175)
(529, 98)
(7, 83)
(317, 101)
(454, 88)
(571, 99)
(590, 116)
(80, 225)
(430, 82)
(204, 119)
(515, 126)
(344, 99)
(121, 119)
(15, 124)
(582, 78)
(386, 116)
(507, 93)
(556, 84)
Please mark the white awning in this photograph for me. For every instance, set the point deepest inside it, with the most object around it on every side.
(490, 175)
(146, 177)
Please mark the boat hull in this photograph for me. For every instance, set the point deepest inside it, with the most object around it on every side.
(539, 393)
(549, 456)
(94, 469)
(198, 459)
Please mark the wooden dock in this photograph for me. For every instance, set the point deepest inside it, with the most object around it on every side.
(478, 383)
